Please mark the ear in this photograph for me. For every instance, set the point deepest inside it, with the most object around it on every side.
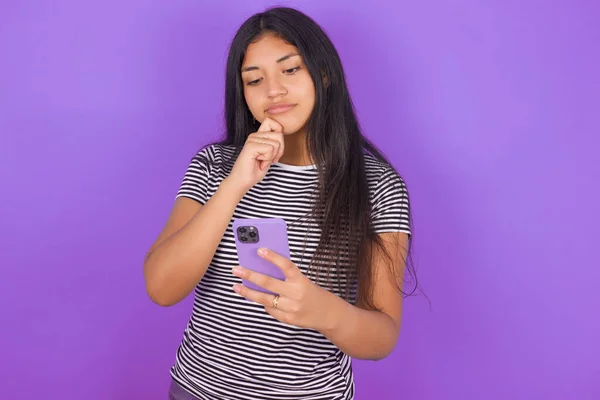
(325, 79)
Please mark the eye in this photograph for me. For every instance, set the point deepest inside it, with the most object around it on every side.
(291, 71)
(254, 82)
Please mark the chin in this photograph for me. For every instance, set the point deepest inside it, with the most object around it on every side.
(290, 130)
(290, 127)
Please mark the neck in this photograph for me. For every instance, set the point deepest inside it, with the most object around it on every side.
(295, 149)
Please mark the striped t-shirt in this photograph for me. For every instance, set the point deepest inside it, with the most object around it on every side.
(233, 349)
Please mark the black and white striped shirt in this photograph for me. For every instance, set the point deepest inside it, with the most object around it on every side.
(233, 349)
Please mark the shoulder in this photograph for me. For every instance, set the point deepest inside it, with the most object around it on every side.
(205, 171)
(390, 205)
(215, 152)
(212, 157)
(382, 177)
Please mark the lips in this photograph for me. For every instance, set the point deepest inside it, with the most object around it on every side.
(279, 108)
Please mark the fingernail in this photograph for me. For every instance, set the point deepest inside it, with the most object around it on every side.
(236, 270)
(236, 288)
(262, 251)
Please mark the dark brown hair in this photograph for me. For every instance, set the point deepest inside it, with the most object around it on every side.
(336, 144)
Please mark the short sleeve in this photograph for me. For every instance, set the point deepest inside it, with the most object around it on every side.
(196, 178)
(391, 208)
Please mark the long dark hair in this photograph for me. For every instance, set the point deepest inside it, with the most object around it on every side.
(336, 145)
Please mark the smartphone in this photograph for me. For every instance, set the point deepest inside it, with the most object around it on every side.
(254, 233)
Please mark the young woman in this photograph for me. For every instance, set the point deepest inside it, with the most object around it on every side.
(293, 150)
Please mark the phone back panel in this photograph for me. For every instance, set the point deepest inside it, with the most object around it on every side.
(271, 234)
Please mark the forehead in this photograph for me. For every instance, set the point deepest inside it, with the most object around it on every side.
(267, 50)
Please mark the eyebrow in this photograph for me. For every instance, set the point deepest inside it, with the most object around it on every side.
(282, 59)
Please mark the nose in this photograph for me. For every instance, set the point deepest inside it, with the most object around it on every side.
(275, 88)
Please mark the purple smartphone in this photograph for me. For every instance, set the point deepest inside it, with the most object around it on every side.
(254, 233)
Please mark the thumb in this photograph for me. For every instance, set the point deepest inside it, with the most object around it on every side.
(270, 125)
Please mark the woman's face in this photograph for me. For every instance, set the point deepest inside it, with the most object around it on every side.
(277, 84)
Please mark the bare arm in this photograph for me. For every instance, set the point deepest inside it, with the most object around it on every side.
(180, 256)
(365, 334)
(357, 331)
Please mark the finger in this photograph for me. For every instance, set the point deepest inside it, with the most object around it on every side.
(265, 140)
(253, 295)
(281, 147)
(262, 151)
(288, 268)
(267, 157)
(279, 314)
(278, 136)
(272, 137)
(264, 299)
(270, 125)
(268, 135)
(272, 284)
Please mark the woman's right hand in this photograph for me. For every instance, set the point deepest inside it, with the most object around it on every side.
(261, 149)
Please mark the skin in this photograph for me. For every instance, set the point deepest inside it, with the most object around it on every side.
(356, 331)
(181, 254)
(274, 73)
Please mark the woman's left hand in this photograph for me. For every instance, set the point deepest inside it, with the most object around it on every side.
(301, 302)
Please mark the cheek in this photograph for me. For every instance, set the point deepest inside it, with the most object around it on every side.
(309, 90)
(308, 95)
(305, 88)
(251, 100)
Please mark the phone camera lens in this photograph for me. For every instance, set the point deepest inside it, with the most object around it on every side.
(242, 230)
(252, 234)
(243, 238)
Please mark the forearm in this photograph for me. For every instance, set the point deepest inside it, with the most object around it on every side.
(362, 334)
(176, 266)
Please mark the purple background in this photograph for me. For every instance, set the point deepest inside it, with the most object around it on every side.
(490, 110)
